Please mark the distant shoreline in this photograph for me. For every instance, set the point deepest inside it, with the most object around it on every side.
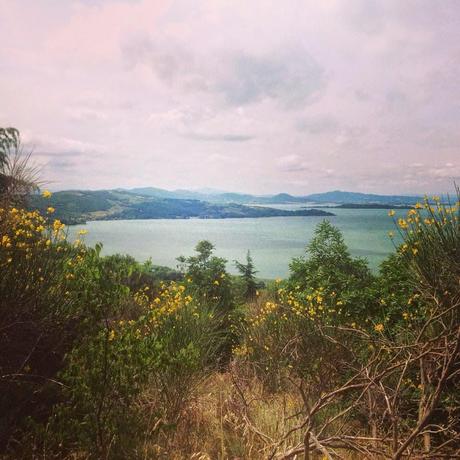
(366, 206)
(298, 213)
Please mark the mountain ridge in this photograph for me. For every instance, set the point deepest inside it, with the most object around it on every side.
(335, 196)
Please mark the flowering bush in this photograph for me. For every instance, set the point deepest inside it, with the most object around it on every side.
(101, 359)
(374, 360)
(80, 348)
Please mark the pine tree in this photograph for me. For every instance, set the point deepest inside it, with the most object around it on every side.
(248, 272)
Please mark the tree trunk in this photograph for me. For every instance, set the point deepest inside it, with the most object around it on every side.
(372, 422)
(395, 435)
(306, 443)
(427, 442)
(422, 404)
(374, 433)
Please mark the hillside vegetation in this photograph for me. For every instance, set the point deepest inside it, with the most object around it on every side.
(78, 206)
(106, 358)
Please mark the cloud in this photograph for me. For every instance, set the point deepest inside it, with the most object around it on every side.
(48, 146)
(317, 125)
(219, 137)
(60, 164)
(448, 171)
(295, 96)
(169, 62)
(298, 165)
(289, 75)
(290, 163)
(219, 158)
(85, 114)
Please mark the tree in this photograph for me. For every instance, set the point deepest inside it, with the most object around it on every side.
(248, 272)
(9, 138)
(331, 269)
(209, 284)
(17, 177)
(329, 254)
(207, 277)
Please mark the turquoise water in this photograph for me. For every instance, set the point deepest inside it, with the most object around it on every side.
(273, 241)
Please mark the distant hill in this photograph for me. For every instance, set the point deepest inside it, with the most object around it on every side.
(283, 198)
(78, 206)
(340, 197)
(214, 197)
(161, 193)
(336, 196)
(73, 206)
(369, 206)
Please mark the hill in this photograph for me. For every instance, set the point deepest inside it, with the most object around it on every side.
(341, 197)
(336, 196)
(77, 206)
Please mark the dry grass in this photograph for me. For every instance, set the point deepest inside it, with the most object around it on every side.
(217, 424)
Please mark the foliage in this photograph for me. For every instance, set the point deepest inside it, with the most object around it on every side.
(9, 138)
(17, 177)
(330, 272)
(247, 274)
(382, 386)
(82, 342)
(168, 349)
(105, 357)
(207, 278)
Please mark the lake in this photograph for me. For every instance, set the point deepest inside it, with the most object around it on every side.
(273, 241)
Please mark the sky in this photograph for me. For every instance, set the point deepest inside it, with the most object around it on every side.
(251, 96)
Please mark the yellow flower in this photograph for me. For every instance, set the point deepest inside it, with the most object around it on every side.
(82, 232)
(391, 234)
(414, 251)
(46, 194)
(418, 206)
(57, 225)
(111, 335)
(379, 327)
(391, 213)
(402, 223)
(50, 210)
(6, 241)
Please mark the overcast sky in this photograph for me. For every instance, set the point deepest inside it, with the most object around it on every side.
(253, 96)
